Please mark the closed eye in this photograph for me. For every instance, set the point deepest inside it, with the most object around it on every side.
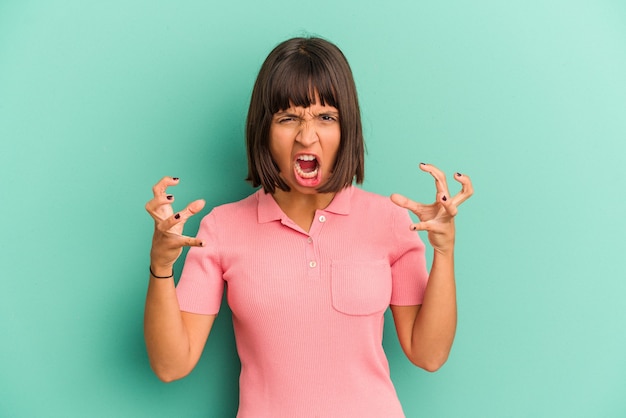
(287, 118)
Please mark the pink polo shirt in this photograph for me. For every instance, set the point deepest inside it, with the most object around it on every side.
(308, 308)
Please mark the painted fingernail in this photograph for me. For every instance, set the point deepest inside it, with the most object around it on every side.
(175, 178)
(444, 198)
(177, 216)
(459, 174)
(170, 197)
(422, 163)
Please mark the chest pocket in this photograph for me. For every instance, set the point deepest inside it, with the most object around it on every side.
(360, 287)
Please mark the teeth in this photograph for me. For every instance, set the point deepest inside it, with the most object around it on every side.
(302, 174)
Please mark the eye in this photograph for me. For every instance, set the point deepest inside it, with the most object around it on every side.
(286, 118)
(328, 118)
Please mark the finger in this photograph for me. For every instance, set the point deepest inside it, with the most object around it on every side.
(161, 197)
(164, 199)
(467, 189)
(157, 209)
(424, 226)
(195, 206)
(447, 203)
(440, 178)
(170, 240)
(191, 241)
(160, 188)
(182, 216)
(406, 203)
(432, 226)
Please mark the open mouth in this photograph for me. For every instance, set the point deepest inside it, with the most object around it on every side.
(306, 166)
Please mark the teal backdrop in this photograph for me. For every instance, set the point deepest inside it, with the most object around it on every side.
(98, 100)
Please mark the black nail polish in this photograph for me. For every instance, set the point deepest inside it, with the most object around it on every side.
(170, 197)
(422, 163)
(458, 174)
(175, 178)
(444, 198)
(177, 216)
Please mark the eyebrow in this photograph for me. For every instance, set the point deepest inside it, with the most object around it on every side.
(291, 113)
(284, 113)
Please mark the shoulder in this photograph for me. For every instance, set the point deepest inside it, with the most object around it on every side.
(249, 202)
(374, 209)
(234, 212)
(363, 199)
(359, 195)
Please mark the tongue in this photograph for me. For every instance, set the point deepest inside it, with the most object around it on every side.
(307, 166)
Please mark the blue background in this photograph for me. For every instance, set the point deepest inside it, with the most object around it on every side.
(98, 100)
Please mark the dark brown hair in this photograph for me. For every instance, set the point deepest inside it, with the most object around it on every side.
(292, 74)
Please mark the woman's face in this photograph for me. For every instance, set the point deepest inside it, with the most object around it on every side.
(304, 144)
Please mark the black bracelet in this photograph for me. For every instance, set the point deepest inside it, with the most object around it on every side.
(160, 277)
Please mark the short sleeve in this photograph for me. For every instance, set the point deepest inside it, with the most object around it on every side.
(408, 267)
(201, 285)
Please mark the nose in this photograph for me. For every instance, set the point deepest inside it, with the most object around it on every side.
(307, 135)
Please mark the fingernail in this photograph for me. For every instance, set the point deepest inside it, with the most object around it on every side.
(175, 178)
(201, 244)
(170, 197)
(422, 163)
(177, 216)
(444, 198)
(458, 174)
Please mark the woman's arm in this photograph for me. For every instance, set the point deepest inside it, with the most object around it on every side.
(426, 332)
(174, 339)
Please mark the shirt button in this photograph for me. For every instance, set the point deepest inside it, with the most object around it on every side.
(312, 264)
(309, 240)
(322, 218)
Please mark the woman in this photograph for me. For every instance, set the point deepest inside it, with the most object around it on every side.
(311, 261)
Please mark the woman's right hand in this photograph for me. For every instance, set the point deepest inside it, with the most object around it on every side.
(168, 239)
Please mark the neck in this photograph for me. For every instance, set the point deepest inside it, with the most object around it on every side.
(301, 207)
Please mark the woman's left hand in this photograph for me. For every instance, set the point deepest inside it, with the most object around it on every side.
(438, 217)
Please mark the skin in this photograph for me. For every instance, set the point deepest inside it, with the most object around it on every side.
(426, 331)
(304, 131)
(175, 339)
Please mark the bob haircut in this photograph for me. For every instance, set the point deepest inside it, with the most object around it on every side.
(294, 73)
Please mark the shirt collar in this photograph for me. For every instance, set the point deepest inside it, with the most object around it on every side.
(268, 209)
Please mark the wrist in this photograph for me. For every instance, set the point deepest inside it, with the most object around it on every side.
(161, 272)
(444, 253)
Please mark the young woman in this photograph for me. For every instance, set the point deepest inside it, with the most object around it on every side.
(311, 261)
